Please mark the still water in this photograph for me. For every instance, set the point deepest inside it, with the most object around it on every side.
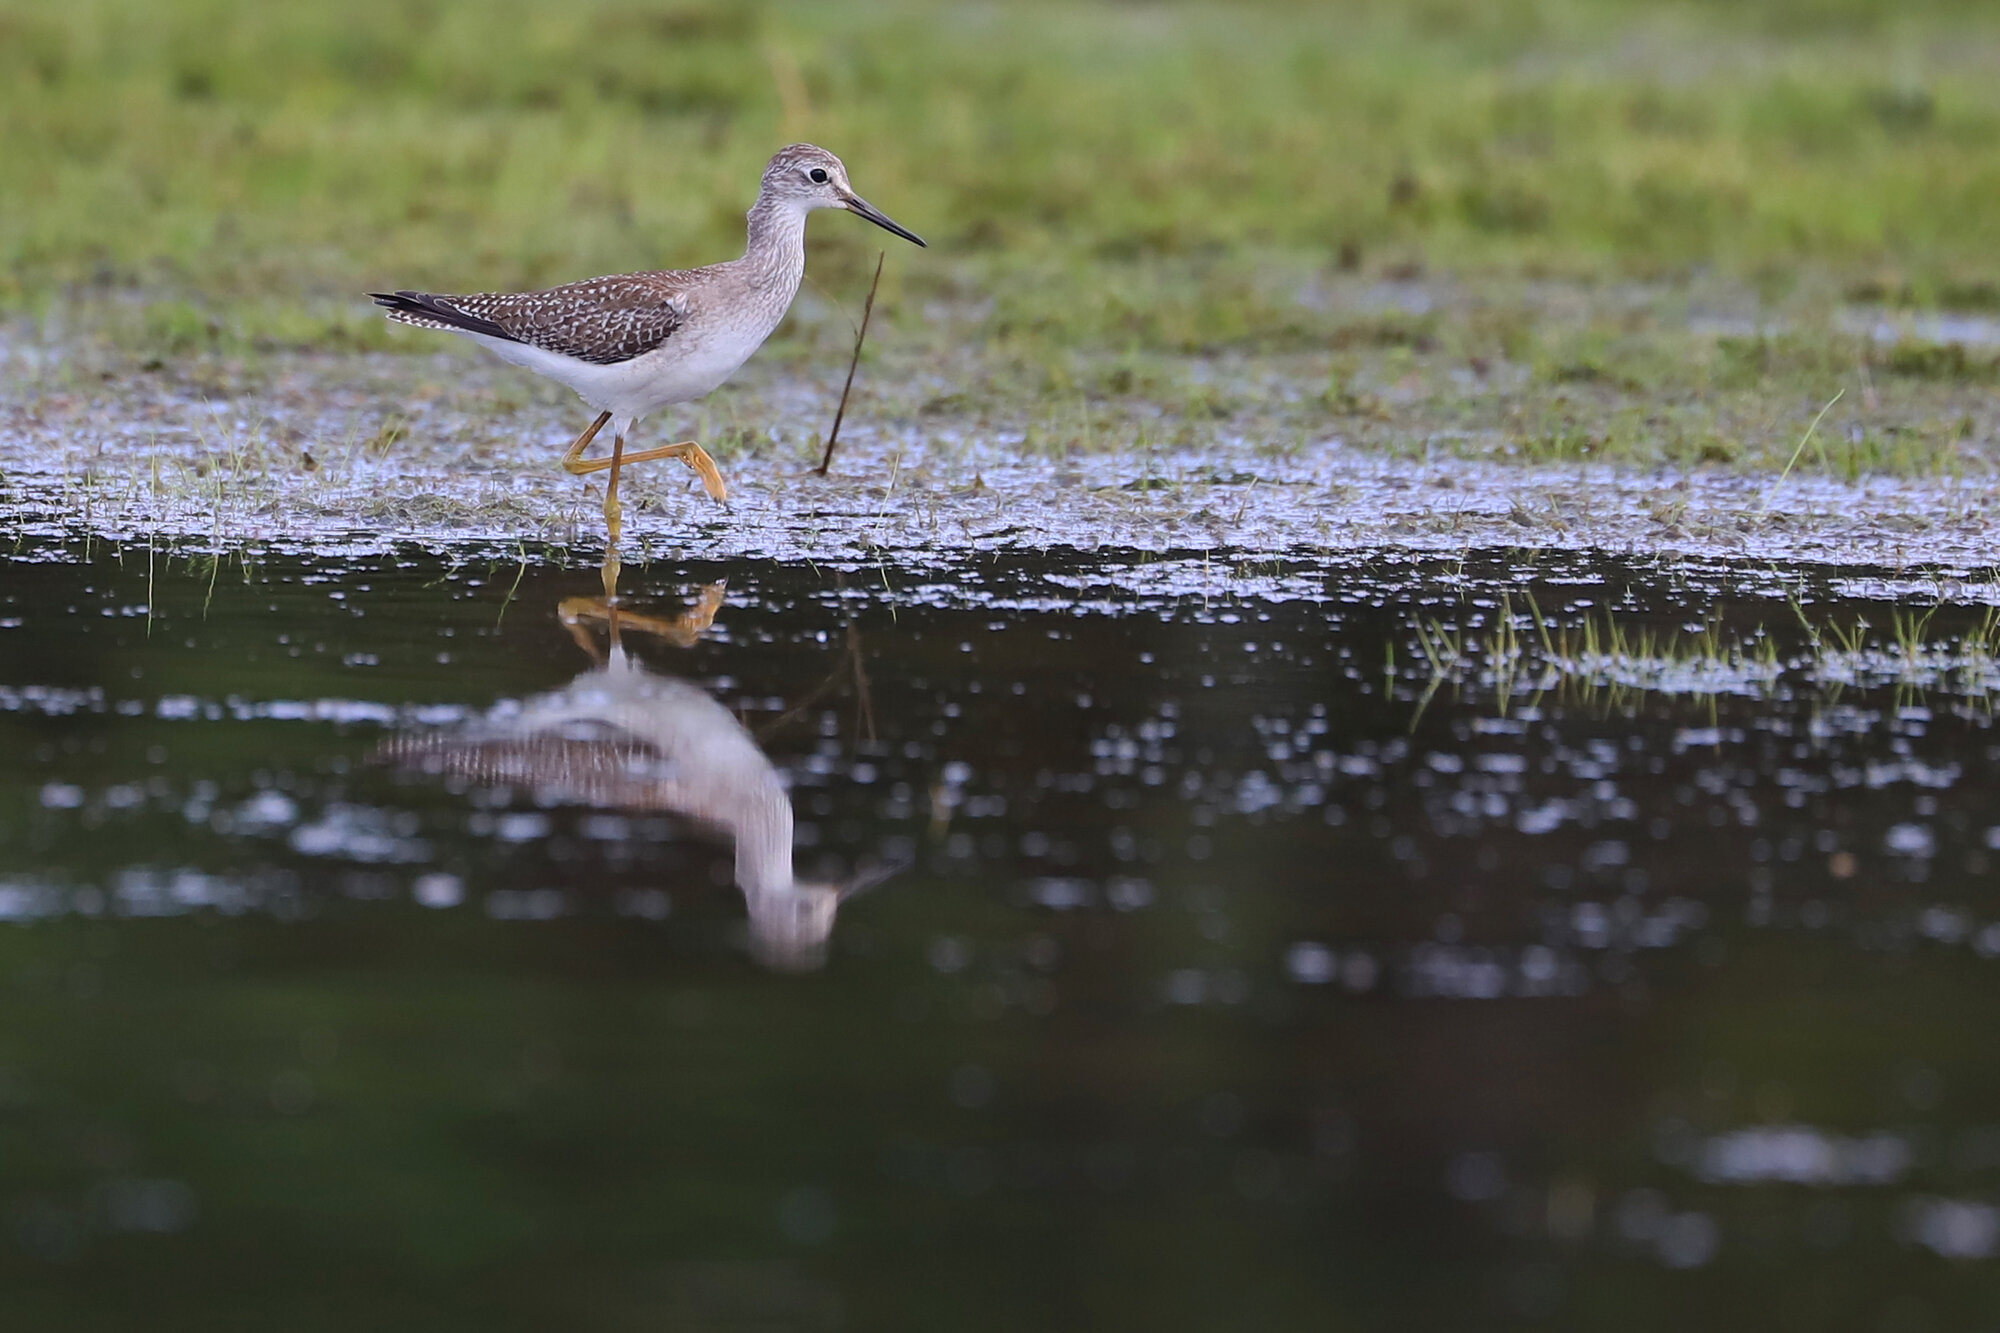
(1050, 941)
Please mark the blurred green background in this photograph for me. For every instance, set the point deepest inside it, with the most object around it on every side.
(250, 168)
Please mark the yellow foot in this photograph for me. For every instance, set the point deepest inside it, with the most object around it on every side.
(697, 458)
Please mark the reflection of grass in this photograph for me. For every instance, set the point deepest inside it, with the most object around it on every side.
(1616, 655)
(1606, 650)
(1598, 651)
(1128, 203)
(1909, 653)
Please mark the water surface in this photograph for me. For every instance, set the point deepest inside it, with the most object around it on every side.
(1167, 942)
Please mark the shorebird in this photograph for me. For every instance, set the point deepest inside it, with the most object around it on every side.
(634, 343)
(622, 737)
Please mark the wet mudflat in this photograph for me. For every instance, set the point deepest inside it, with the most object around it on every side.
(1224, 454)
(1160, 939)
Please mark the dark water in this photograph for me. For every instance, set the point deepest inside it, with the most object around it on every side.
(363, 967)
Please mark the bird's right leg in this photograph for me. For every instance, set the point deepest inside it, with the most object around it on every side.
(695, 457)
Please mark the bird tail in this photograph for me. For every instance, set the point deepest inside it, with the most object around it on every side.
(427, 311)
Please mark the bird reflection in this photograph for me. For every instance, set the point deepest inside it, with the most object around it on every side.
(624, 737)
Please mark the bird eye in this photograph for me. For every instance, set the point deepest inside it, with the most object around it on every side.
(817, 175)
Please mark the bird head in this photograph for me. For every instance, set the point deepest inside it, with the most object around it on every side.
(809, 177)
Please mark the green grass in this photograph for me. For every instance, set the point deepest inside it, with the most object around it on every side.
(1110, 190)
(231, 148)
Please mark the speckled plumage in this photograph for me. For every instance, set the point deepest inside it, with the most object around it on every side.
(602, 321)
(633, 343)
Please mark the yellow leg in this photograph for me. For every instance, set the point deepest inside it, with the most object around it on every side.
(583, 442)
(687, 451)
(614, 513)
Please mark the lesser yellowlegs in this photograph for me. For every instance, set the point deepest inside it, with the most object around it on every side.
(634, 343)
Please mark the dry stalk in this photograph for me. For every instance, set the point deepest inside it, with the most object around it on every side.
(860, 336)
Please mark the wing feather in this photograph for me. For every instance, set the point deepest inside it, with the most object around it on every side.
(602, 320)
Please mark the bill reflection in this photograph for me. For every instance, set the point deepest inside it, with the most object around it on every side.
(624, 737)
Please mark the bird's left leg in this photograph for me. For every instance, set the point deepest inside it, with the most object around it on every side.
(614, 513)
(614, 523)
(576, 464)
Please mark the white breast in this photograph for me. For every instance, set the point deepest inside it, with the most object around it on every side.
(681, 371)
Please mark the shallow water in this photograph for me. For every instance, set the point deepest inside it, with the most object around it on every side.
(1232, 965)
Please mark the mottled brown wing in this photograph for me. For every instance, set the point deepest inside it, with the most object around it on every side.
(603, 321)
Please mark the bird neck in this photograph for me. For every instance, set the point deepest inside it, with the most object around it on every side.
(776, 253)
(764, 843)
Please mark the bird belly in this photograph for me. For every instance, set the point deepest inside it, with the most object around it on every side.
(679, 371)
